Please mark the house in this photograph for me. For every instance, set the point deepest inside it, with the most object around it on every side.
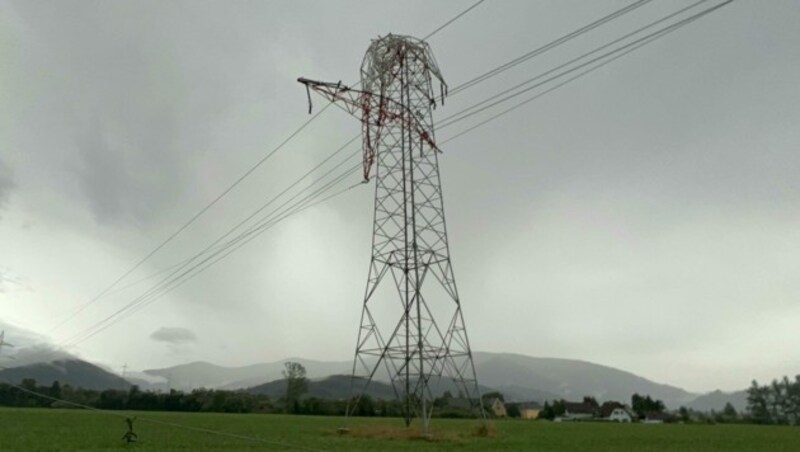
(497, 407)
(529, 410)
(578, 411)
(621, 415)
(616, 412)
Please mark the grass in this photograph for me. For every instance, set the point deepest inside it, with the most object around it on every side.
(52, 429)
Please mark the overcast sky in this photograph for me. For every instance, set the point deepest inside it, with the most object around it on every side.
(643, 217)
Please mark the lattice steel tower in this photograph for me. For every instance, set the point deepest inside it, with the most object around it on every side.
(410, 253)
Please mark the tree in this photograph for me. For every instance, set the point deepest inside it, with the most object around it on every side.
(29, 384)
(112, 399)
(365, 406)
(444, 400)
(757, 403)
(513, 410)
(55, 390)
(793, 396)
(778, 402)
(296, 385)
(489, 396)
(775, 403)
(644, 404)
(546, 413)
(559, 408)
(729, 413)
(684, 415)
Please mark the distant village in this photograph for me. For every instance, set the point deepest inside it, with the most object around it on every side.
(643, 409)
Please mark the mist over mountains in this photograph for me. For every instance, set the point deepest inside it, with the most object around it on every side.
(73, 372)
(518, 377)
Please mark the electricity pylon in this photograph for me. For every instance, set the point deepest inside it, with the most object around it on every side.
(409, 244)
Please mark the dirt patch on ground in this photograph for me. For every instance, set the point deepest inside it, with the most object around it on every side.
(415, 433)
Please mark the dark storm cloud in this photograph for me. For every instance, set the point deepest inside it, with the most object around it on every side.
(664, 183)
(106, 105)
(131, 98)
(129, 176)
(174, 335)
(695, 137)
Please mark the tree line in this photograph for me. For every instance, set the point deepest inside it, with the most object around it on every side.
(775, 403)
(133, 399)
(197, 400)
(294, 401)
(640, 405)
(204, 400)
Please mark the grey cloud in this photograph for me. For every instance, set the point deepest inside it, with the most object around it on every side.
(3, 282)
(118, 182)
(134, 100)
(174, 335)
(10, 281)
(685, 151)
(29, 347)
(6, 183)
(36, 353)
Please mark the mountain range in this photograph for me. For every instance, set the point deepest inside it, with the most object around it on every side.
(73, 372)
(716, 400)
(518, 377)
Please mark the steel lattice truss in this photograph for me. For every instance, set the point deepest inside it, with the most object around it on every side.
(421, 353)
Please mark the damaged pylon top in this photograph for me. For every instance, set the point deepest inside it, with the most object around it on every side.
(376, 104)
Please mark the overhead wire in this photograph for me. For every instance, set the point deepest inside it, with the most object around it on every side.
(446, 24)
(600, 63)
(465, 85)
(171, 281)
(250, 233)
(308, 201)
(549, 46)
(77, 337)
(191, 220)
(242, 222)
(224, 193)
(630, 48)
(176, 279)
(480, 106)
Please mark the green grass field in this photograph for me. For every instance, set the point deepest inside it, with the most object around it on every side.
(51, 429)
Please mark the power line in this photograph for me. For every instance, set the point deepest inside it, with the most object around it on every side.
(305, 203)
(633, 46)
(639, 43)
(443, 26)
(178, 277)
(224, 193)
(463, 115)
(464, 86)
(169, 284)
(550, 45)
(192, 219)
(242, 222)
